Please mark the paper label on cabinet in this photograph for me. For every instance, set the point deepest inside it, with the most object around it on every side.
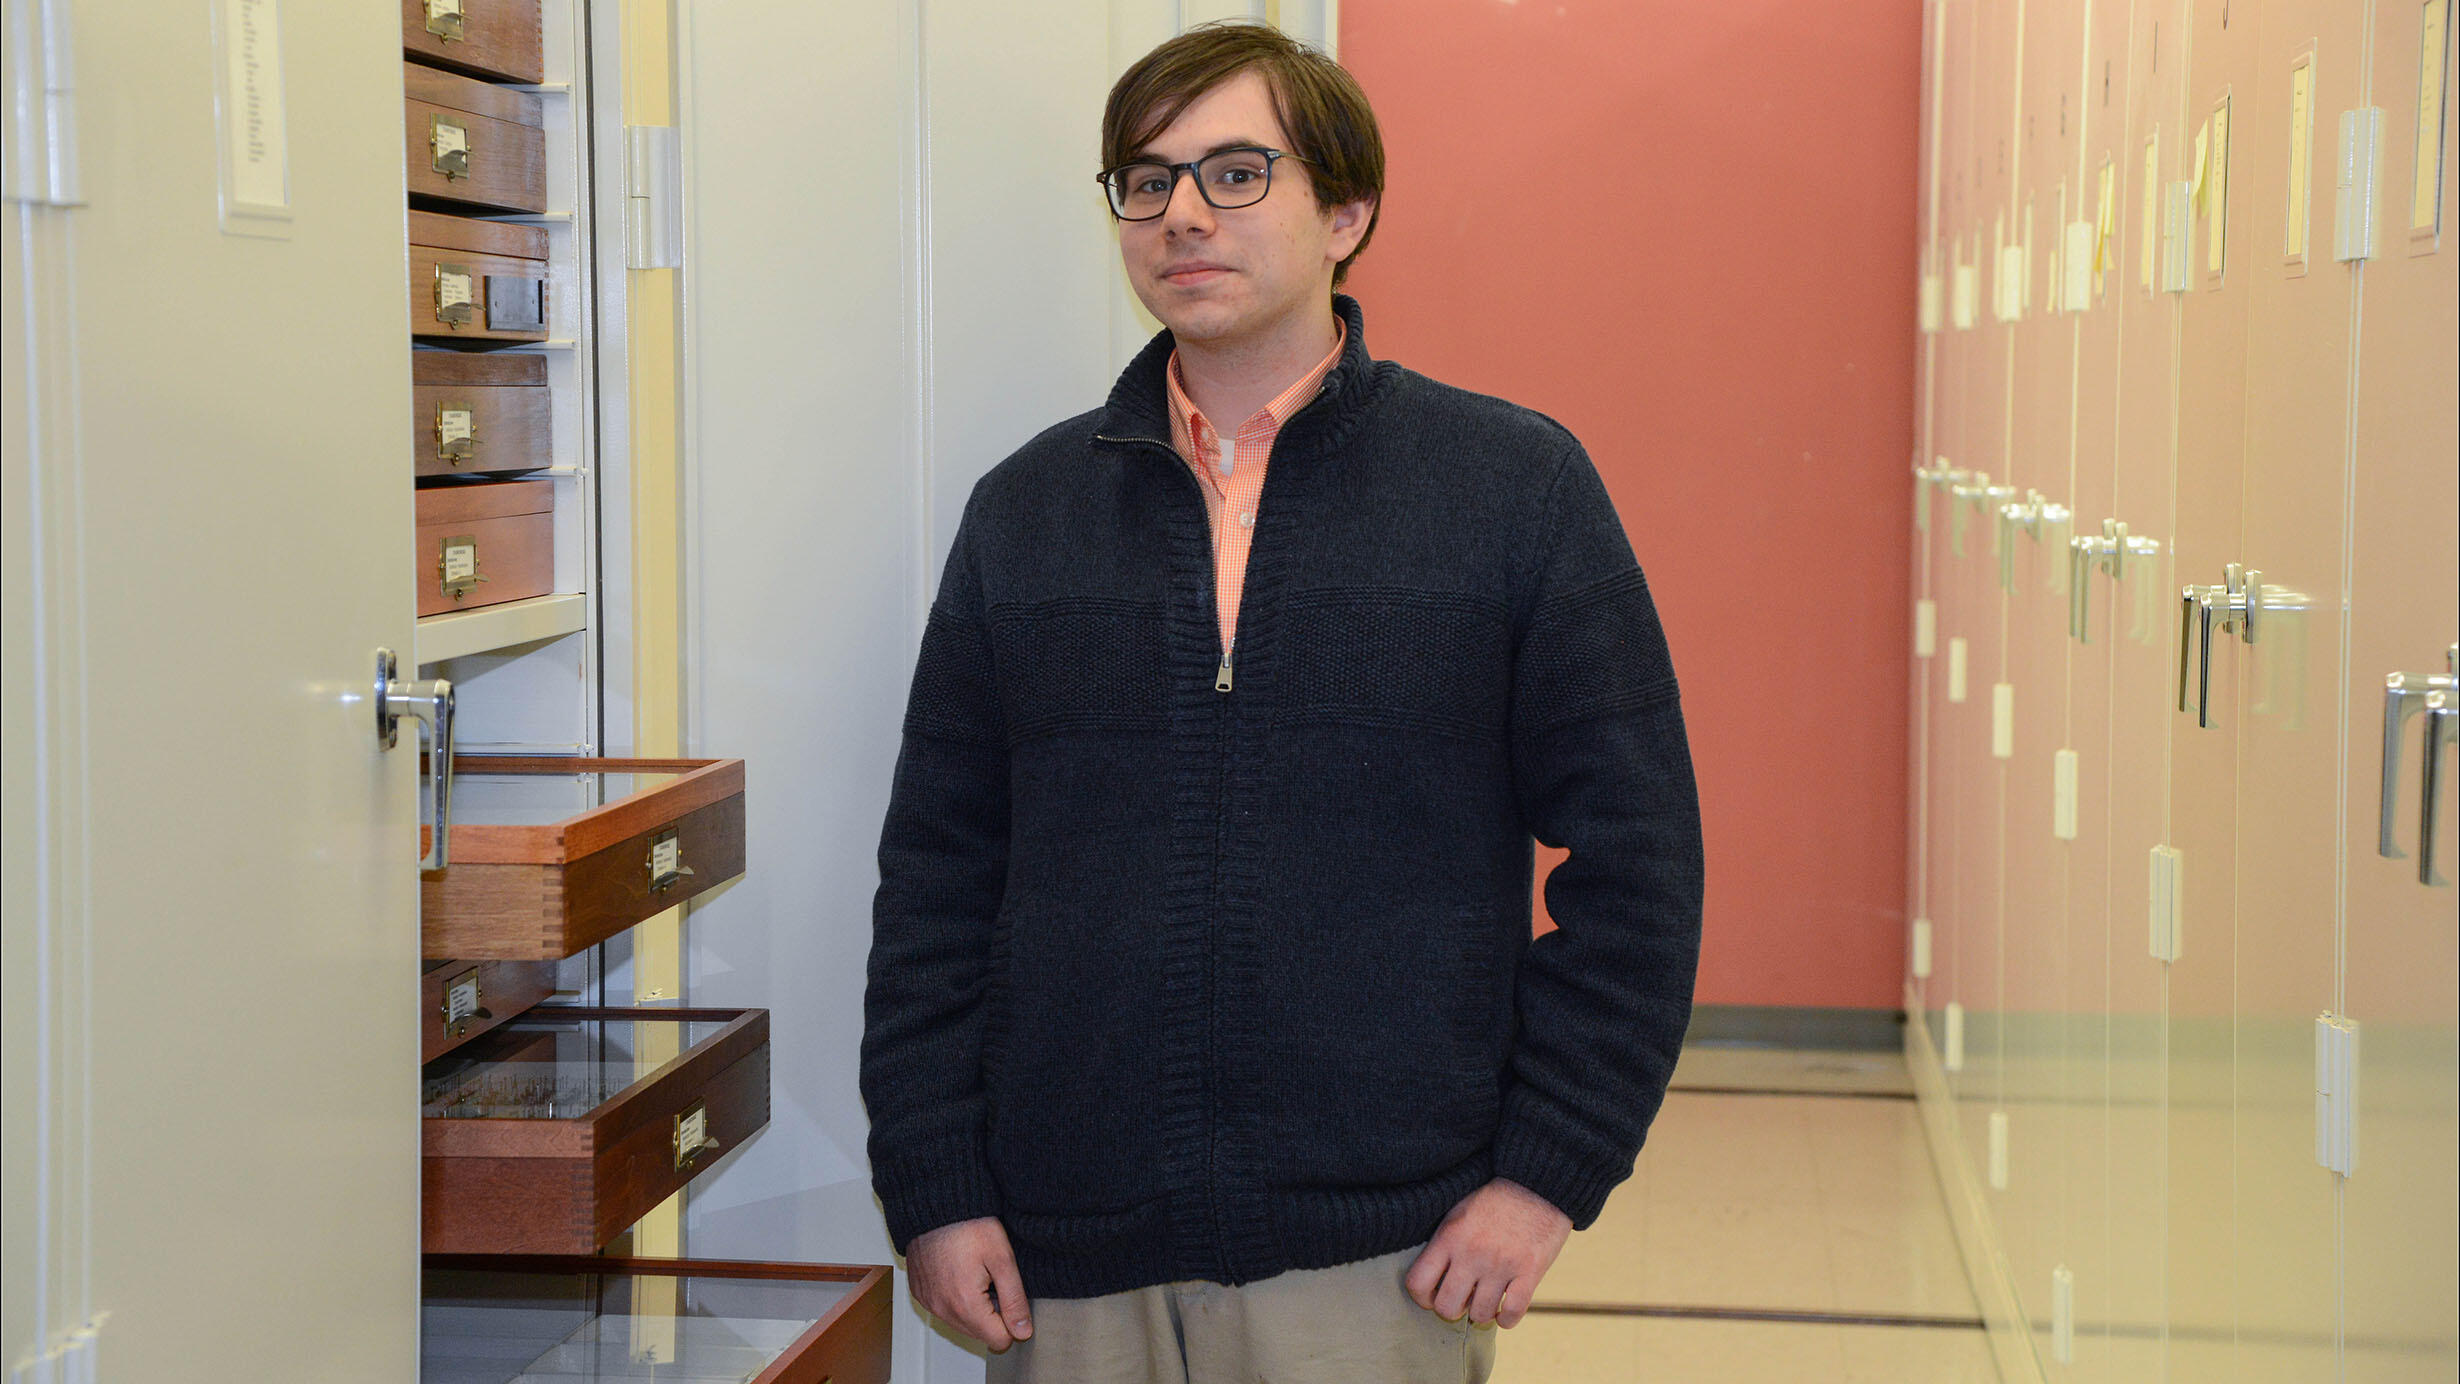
(461, 999)
(454, 289)
(453, 425)
(440, 9)
(460, 563)
(2426, 176)
(691, 1132)
(2216, 189)
(665, 858)
(451, 139)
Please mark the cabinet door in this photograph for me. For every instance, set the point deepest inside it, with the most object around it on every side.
(2028, 691)
(2122, 804)
(210, 921)
(2219, 57)
(2403, 1232)
(2284, 717)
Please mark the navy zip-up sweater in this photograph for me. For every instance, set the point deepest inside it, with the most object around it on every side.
(1189, 983)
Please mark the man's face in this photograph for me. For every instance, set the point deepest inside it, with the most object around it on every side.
(1221, 276)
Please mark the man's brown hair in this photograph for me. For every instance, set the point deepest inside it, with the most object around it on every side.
(1321, 106)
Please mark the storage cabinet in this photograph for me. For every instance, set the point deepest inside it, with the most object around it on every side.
(479, 414)
(484, 543)
(2188, 1055)
(530, 879)
(472, 143)
(561, 1128)
(559, 1319)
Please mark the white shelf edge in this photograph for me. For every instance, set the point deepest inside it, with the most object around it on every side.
(531, 218)
(540, 88)
(488, 628)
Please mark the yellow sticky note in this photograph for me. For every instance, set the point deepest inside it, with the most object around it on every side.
(2105, 222)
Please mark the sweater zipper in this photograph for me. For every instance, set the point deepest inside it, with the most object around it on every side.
(1221, 675)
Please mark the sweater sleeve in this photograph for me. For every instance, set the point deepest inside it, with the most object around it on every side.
(1600, 766)
(943, 867)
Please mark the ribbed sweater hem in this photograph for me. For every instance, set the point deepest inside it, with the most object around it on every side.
(1307, 1228)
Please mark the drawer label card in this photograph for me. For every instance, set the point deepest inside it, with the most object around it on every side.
(456, 433)
(456, 294)
(450, 141)
(692, 1135)
(457, 566)
(666, 865)
(444, 19)
(461, 1002)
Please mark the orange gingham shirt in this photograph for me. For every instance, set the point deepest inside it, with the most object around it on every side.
(1231, 471)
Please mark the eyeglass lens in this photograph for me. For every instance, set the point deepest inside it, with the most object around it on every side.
(1232, 178)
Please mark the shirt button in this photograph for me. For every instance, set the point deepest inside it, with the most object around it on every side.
(1247, 519)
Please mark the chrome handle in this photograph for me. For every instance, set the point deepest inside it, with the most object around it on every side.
(2189, 601)
(431, 702)
(2442, 728)
(2232, 605)
(2404, 695)
(2080, 553)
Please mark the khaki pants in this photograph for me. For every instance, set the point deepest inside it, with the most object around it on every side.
(1349, 1324)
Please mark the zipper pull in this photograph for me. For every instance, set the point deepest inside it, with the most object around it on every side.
(1221, 680)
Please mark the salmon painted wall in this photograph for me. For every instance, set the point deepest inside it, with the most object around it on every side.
(1686, 231)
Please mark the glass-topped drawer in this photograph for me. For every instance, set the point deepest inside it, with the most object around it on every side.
(552, 856)
(574, 1320)
(554, 1132)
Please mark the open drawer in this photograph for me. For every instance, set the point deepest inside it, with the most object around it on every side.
(551, 856)
(555, 1319)
(554, 1132)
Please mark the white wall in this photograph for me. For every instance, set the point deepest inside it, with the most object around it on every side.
(898, 269)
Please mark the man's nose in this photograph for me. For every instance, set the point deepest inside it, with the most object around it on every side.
(1187, 209)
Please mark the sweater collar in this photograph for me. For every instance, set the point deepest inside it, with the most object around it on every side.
(1139, 407)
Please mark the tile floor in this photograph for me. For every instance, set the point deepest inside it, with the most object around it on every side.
(1790, 1183)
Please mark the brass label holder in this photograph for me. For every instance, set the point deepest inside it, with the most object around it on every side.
(692, 1135)
(456, 295)
(448, 142)
(666, 867)
(456, 432)
(457, 573)
(445, 21)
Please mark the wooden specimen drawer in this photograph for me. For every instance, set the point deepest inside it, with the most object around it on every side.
(489, 38)
(479, 413)
(544, 1318)
(557, 1131)
(459, 1000)
(472, 143)
(535, 875)
(484, 543)
(476, 282)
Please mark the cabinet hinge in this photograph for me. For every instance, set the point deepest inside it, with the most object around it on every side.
(653, 197)
(41, 115)
(2336, 1093)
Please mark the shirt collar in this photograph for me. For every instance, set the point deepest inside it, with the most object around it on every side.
(1183, 411)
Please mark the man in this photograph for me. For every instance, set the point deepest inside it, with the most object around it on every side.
(1205, 1035)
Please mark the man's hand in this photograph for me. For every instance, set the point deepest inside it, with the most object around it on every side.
(1488, 1255)
(965, 1274)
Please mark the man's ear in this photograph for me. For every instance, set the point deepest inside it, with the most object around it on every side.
(1349, 225)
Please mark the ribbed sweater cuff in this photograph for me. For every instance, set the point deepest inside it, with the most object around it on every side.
(1539, 1148)
(936, 1185)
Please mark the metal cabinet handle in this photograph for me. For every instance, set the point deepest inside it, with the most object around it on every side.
(2442, 728)
(1929, 478)
(2034, 514)
(431, 702)
(1980, 494)
(2233, 605)
(2404, 695)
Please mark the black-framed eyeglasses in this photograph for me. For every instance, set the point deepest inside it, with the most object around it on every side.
(1227, 179)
